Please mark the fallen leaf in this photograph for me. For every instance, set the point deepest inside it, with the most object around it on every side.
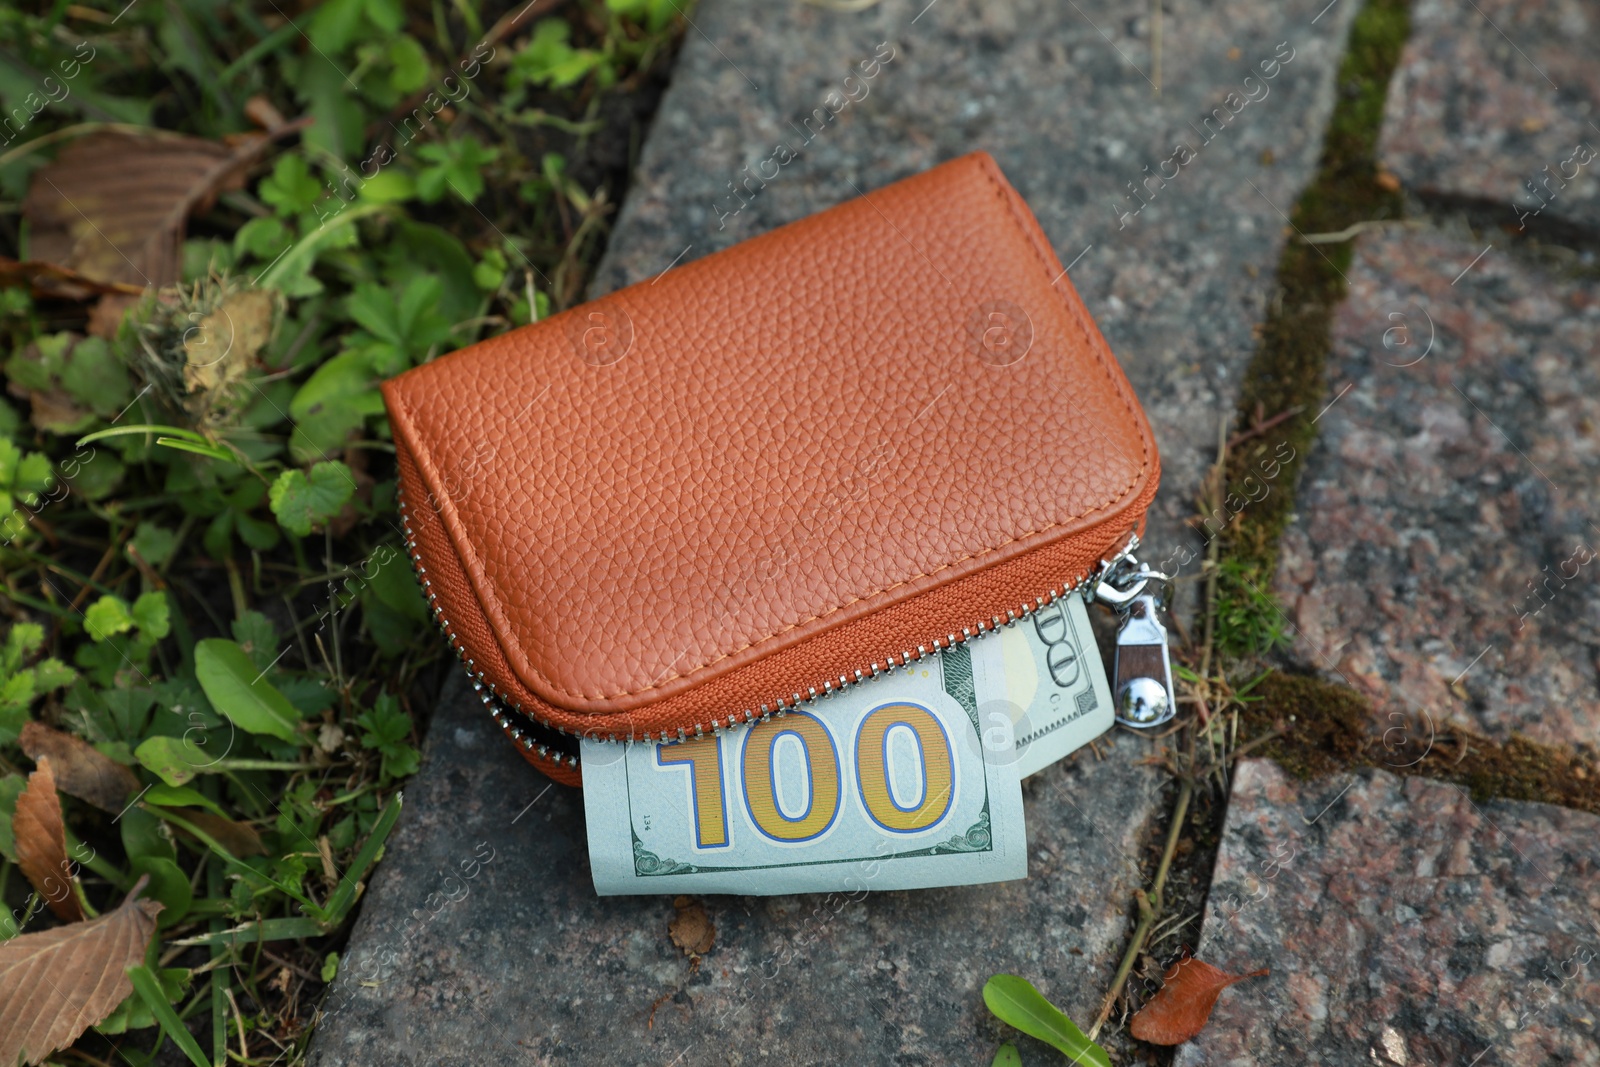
(114, 206)
(237, 837)
(55, 984)
(259, 110)
(80, 769)
(1180, 1009)
(52, 279)
(53, 411)
(330, 738)
(105, 317)
(691, 928)
(41, 843)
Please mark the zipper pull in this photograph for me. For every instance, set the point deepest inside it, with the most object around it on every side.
(1141, 684)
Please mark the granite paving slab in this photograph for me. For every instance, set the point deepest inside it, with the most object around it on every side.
(1444, 554)
(481, 940)
(1405, 925)
(1499, 101)
(1168, 210)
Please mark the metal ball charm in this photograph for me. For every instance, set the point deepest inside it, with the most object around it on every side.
(1144, 702)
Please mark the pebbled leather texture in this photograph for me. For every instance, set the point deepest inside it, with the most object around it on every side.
(804, 456)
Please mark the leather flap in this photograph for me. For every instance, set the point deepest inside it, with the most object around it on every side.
(708, 468)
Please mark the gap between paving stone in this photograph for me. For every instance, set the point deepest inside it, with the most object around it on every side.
(530, 962)
(1406, 922)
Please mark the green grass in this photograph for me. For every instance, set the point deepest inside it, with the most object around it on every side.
(202, 577)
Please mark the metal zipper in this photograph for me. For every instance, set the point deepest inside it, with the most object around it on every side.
(1141, 680)
(485, 689)
(1091, 582)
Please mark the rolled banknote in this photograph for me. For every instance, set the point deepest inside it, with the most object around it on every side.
(908, 780)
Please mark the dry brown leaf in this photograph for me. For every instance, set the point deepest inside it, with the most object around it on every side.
(41, 844)
(107, 313)
(52, 279)
(259, 110)
(80, 769)
(53, 411)
(691, 928)
(114, 207)
(55, 984)
(1180, 1009)
(236, 837)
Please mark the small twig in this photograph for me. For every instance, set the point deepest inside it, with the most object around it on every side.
(1140, 932)
(238, 1019)
(1276, 732)
(1149, 910)
(94, 578)
(1213, 561)
(1183, 631)
(1355, 230)
(1262, 427)
(101, 567)
(296, 968)
(148, 572)
(1171, 926)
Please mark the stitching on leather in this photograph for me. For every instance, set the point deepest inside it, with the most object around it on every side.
(988, 168)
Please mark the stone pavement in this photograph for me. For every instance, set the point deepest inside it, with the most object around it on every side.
(1405, 926)
(1446, 550)
(1442, 560)
(529, 966)
(1444, 556)
(1498, 101)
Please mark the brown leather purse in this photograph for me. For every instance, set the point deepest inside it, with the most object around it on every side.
(783, 468)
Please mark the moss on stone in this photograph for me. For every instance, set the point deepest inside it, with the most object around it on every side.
(1288, 368)
(1324, 725)
(1330, 727)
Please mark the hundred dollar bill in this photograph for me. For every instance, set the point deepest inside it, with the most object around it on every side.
(884, 785)
(1041, 687)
